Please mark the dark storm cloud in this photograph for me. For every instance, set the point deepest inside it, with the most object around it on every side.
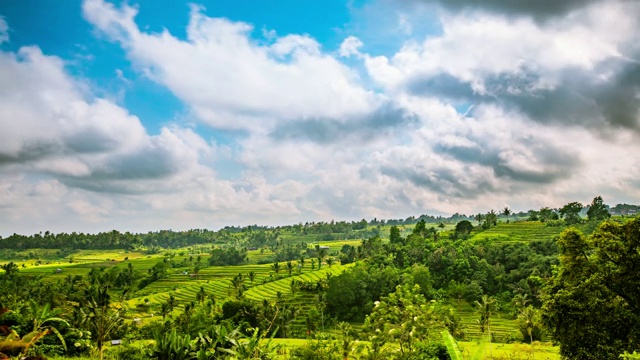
(553, 163)
(580, 97)
(442, 85)
(30, 152)
(85, 141)
(327, 131)
(119, 174)
(440, 180)
(538, 9)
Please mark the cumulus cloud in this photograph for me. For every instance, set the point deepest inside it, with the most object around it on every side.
(230, 80)
(495, 110)
(51, 125)
(579, 69)
(539, 9)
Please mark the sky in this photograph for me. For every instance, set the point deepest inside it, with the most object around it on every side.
(139, 117)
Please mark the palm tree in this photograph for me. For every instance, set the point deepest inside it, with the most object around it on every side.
(289, 267)
(10, 269)
(171, 301)
(527, 317)
(196, 270)
(103, 320)
(321, 255)
(301, 261)
(201, 295)
(252, 276)
(164, 310)
(276, 267)
(238, 285)
(506, 211)
(484, 307)
(294, 287)
(313, 264)
(329, 261)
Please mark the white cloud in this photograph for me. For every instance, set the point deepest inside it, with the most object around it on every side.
(474, 45)
(316, 145)
(229, 80)
(350, 46)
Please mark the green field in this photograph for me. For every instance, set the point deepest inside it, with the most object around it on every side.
(216, 281)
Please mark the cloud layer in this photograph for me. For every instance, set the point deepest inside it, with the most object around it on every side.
(522, 105)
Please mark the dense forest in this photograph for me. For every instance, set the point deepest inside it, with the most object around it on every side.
(394, 289)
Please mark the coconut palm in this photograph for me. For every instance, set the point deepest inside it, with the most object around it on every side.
(201, 295)
(484, 307)
(164, 310)
(506, 212)
(103, 319)
(276, 267)
(172, 302)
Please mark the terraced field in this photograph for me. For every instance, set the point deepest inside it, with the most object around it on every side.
(502, 327)
(217, 281)
(271, 289)
(518, 231)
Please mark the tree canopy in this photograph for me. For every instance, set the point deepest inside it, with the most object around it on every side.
(592, 305)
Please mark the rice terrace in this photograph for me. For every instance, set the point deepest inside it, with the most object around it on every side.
(319, 180)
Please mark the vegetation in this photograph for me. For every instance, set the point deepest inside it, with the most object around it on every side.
(494, 285)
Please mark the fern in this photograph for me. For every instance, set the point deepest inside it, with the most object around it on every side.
(452, 347)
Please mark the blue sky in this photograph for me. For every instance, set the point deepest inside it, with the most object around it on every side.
(135, 116)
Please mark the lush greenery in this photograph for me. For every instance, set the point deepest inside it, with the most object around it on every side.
(493, 285)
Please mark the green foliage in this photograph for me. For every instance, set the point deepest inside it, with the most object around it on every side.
(404, 317)
(228, 256)
(592, 306)
(452, 347)
(317, 350)
(171, 346)
(394, 235)
(463, 228)
(571, 212)
(530, 324)
(598, 210)
(350, 295)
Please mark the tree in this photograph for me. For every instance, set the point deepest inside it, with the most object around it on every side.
(529, 324)
(506, 212)
(571, 212)
(10, 269)
(598, 210)
(394, 235)
(464, 228)
(322, 252)
(276, 267)
(196, 269)
(490, 219)
(252, 276)
(290, 267)
(592, 302)
(404, 317)
(164, 310)
(545, 214)
(484, 308)
(171, 301)
(201, 295)
(103, 319)
(329, 261)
